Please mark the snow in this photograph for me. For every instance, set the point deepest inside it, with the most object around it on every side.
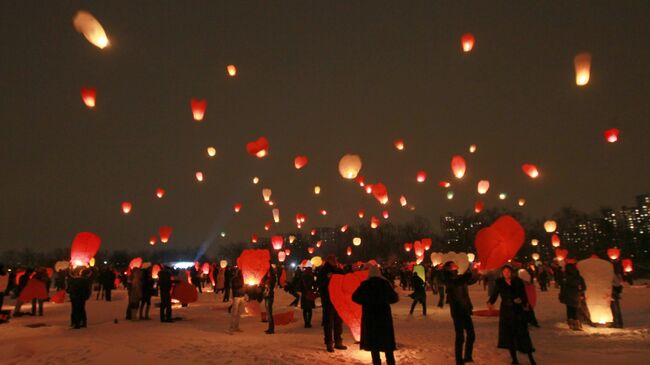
(200, 337)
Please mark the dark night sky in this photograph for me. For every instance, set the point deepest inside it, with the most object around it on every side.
(321, 78)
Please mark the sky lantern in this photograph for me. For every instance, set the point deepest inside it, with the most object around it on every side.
(582, 63)
(467, 42)
(550, 226)
(254, 238)
(374, 222)
(503, 196)
(84, 248)
(254, 264)
(276, 215)
(256, 180)
(212, 151)
(470, 257)
(300, 162)
(611, 135)
(530, 170)
(287, 251)
(478, 206)
(561, 254)
(205, 268)
(136, 263)
(380, 193)
(368, 189)
(344, 228)
(402, 201)
(258, 148)
(534, 242)
(360, 180)
(598, 275)
(155, 269)
(153, 240)
(385, 214)
(266, 194)
(444, 184)
(426, 243)
(472, 148)
(436, 258)
(165, 232)
(313, 232)
(87, 25)
(310, 250)
(198, 107)
(418, 248)
(89, 96)
(319, 243)
(458, 166)
(535, 256)
(292, 238)
(237, 207)
(627, 265)
(499, 242)
(160, 192)
(613, 253)
(316, 261)
(450, 195)
(267, 226)
(555, 240)
(349, 166)
(277, 242)
(281, 256)
(199, 176)
(421, 176)
(349, 251)
(356, 241)
(483, 186)
(408, 247)
(399, 144)
(323, 212)
(270, 202)
(223, 264)
(316, 189)
(521, 202)
(126, 207)
(232, 70)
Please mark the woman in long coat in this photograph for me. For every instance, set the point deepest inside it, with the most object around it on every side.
(513, 323)
(375, 295)
(307, 288)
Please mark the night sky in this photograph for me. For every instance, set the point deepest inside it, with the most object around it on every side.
(318, 78)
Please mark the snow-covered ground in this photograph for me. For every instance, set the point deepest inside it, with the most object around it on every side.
(201, 338)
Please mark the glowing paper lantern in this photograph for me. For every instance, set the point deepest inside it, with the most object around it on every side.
(385, 214)
(34, 289)
(199, 176)
(530, 170)
(267, 226)
(281, 256)
(498, 243)
(436, 258)
(84, 247)
(212, 151)
(292, 238)
(450, 195)
(426, 243)
(310, 250)
(408, 247)
(232, 70)
(467, 42)
(380, 193)
(534, 242)
(627, 265)
(535, 256)
(89, 96)
(374, 222)
(126, 207)
(237, 207)
(349, 166)
(550, 226)
(521, 202)
(361, 213)
(360, 180)
(256, 180)
(369, 189)
(254, 264)
(356, 241)
(316, 261)
(561, 254)
(323, 212)
(136, 263)
(349, 251)
(341, 288)
(472, 148)
(421, 176)
(287, 251)
(458, 166)
(316, 189)
(258, 148)
(470, 257)
(598, 275)
(555, 240)
(613, 253)
(399, 144)
(483, 186)
(402, 201)
(87, 25)
(266, 194)
(503, 196)
(160, 192)
(254, 238)
(444, 184)
(478, 207)
(205, 268)
(611, 135)
(185, 292)
(276, 215)
(153, 240)
(223, 264)
(198, 107)
(277, 242)
(459, 258)
(165, 233)
(300, 162)
(582, 64)
(418, 248)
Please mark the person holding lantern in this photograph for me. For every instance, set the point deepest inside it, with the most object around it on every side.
(460, 306)
(332, 323)
(79, 289)
(513, 323)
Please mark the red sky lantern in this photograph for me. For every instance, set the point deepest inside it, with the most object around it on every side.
(89, 96)
(483, 186)
(267, 226)
(319, 243)
(153, 240)
(136, 263)
(500, 242)
(467, 42)
(361, 213)
(323, 212)
(613, 253)
(165, 233)
(254, 238)
(555, 240)
(310, 250)
(344, 228)
(35, 289)
(458, 166)
(582, 64)
(418, 248)
(360, 180)
(349, 251)
(530, 170)
(421, 176)
(198, 108)
(399, 144)
(199, 176)
(232, 70)
(300, 162)
(385, 214)
(277, 242)
(84, 247)
(611, 135)
(281, 256)
(155, 269)
(402, 201)
(341, 288)
(254, 264)
(313, 232)
(287, 251)
(126, 207)
(380, 193)
(258, 148)
(444, 184)
(368, 189)
(426, 243)
(374, 222)
(561, 254)
(237, 207)
(627, 265)
(408, 247)
(160, 192)
(478, 206)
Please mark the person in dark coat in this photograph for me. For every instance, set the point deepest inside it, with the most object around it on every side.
(460, 306)
(543, 278)
(107, 281)
(617, 290)
(513, 323)
(268, 282)
(419, 295)
(165, 283)
(332, 323)
(439, 284)
(147, 292)
(572, 289)
(227, 283)
(79, 290)
(375, 295)
(306, 286)
(22, 283)
(238, 299)
(294, 286)
(40, 275)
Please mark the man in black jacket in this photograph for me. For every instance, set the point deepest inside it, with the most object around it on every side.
(461, 307)
(165, 284)
(332, 323)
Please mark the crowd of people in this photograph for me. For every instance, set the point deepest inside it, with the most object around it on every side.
(514, 284)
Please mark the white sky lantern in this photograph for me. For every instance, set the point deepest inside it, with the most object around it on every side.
(212, 151)
(87, 25)
(356, 241)
(470, 257)
(521, 202)
(292, 238)
(436, 258)
(503, 196)
(534, 242)
(402, 201)
(256, 180)
(316, 189)
(223, 264)
(472, 148)
(199, 176)
(450, 195)
(460, 258)
(582, 63)
(535, 256)
(349, 166)
(266, 194)
(276, 215)
(598, 275)
(550, 226)
(483, 186)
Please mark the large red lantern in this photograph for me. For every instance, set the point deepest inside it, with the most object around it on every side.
(499, 242)
(300, 162)
(555, 240)
(258, 148)
(164, 233)
(467, 42)
(530, 170)
(627, 265)
(89, 96)
(458, 166)
(254, 264)
(380, 193)
(341, 288)
(421, 176)
(277, 242)
(126, 207)
(185, 292)
(613, 253)
(84, 247)
(611, 135)
(198, 108)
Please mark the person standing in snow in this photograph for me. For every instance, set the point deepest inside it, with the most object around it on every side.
(268, 282)
(79, 290)
(135, 292)
(513, 325)
(332, 323)
(165, 283)
(238, 299)
(307, 294)
(147, 292)
(419, 294)
(572, 289)
(40, 275)
(460, 306)
(375, 295)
